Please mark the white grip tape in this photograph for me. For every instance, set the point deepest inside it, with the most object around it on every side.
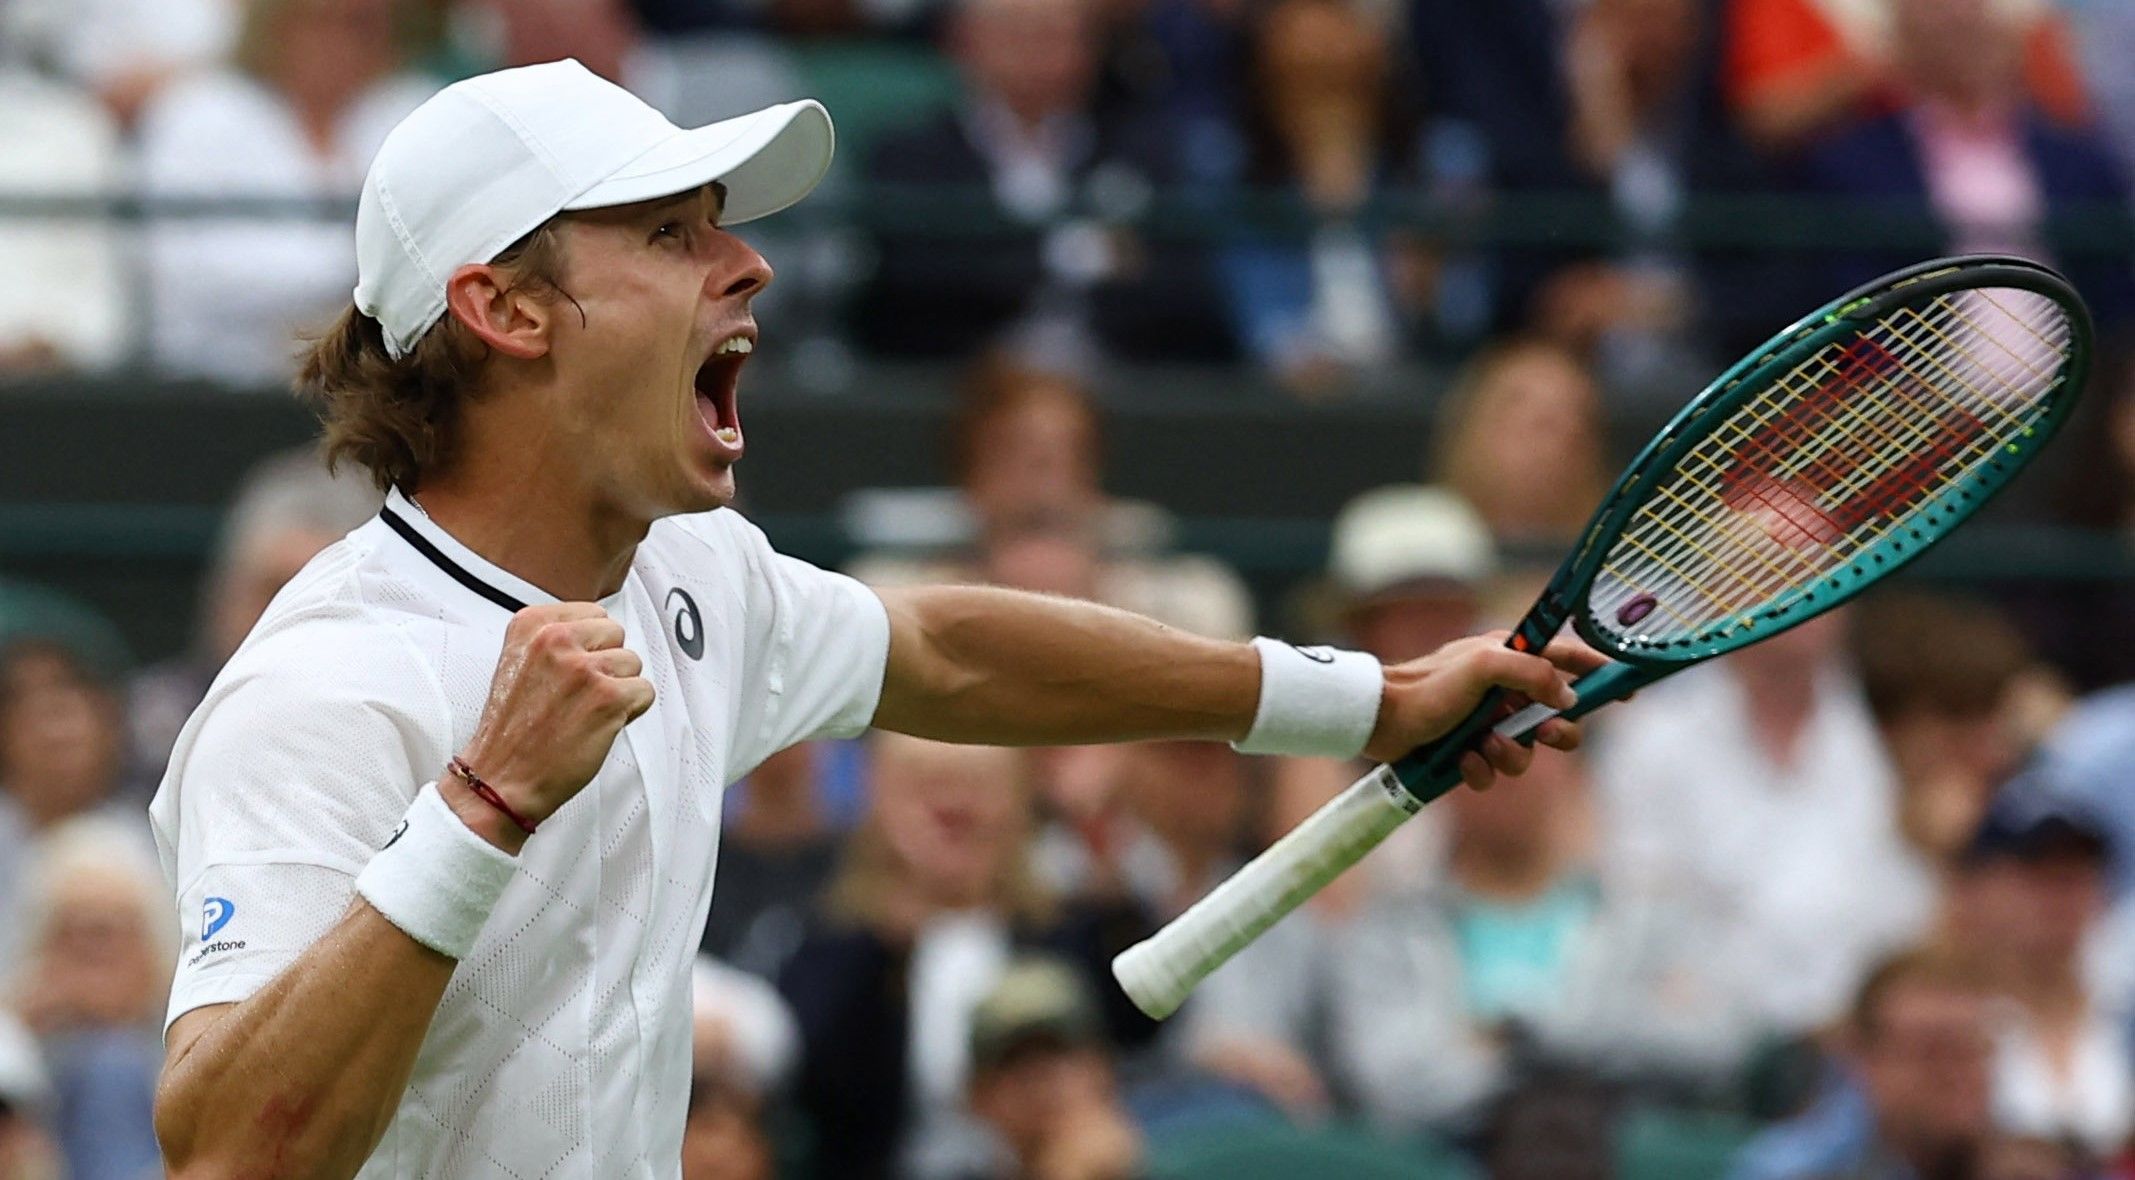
(1525, 721)
(436, 879)
(1159, 971)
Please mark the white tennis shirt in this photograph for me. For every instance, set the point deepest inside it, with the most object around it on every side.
(561, 1048)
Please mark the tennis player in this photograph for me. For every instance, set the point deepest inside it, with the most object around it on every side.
(438, 918)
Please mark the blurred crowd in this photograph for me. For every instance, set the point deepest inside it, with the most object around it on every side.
(1322, 189)
(1858, 902)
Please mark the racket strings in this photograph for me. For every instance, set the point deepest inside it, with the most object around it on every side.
(1776, 448)
(1831, 463)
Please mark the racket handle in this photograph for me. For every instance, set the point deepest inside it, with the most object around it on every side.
(1159, 971)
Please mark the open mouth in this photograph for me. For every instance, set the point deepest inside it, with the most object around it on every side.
(717, 380)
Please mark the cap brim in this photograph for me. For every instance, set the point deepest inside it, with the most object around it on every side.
(767, 160)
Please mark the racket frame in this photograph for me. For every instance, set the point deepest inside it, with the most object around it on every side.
(1434, 769)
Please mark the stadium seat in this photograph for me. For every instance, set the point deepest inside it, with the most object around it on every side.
(1658, 1144)
(1277, 1151)
(874, 89)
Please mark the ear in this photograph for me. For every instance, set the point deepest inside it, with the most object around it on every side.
(511, 322)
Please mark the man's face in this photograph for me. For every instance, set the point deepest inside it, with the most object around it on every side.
(954, 815)
(2063, 893)
(1926, 1064)
(1970, 50)
(1035, 56)
(648, 361)
(1416, 622)
(60, 734)
(1025, 1098)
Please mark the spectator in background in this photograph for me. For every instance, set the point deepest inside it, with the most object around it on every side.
(1647, 127)
(1407, 572)
(1031, 250)
(1042, 1081)
(743, 1052)
(2103, 31)
(1028, 444)
(1912, 1098)
(778, 848)
(1796, 69)
(2087, 628)
(935, 894)
(1987, 166)
(1785, 824)
(312, 90)
(62, 755)
(2028, 903)
(1188, 59)
(1157, 823)
(1495, 94)
(62, 296)
(27, 1151)
(1520, 437)
(1956, 719)
(1324, 121)
(1026, 449)
(1528, 953)
(1189, 802)
(286, 509)
(723, 1137)
(123, 51)
(99, 948)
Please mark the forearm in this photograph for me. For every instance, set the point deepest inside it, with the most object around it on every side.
(301, 1078)
(304, 1075)
(971, 664)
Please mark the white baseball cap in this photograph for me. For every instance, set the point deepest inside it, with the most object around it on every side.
(484, 162)
(1407, 534)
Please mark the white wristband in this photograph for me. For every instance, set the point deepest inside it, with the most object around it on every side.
(1316, 701)
(436, 879)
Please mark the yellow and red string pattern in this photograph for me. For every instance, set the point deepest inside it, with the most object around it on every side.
(1855, 445)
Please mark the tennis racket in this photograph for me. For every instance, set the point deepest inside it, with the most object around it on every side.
(1830, 457)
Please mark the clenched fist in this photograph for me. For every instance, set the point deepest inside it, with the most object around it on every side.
(1426, 698)
(565, 686)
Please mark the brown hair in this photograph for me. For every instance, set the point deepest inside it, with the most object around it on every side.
(1456, 458)
(1927, 966)
(1001, 386)
(862, 889)
(1918, 650)
(416, 28)
(399, 418)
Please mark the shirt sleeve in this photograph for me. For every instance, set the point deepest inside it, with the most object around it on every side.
(293, 772)
(819, 646)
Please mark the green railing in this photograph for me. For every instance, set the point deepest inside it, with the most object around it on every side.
(1279, 548)
(1774, 222)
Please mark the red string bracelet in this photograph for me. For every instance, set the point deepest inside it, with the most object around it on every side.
(488, 794)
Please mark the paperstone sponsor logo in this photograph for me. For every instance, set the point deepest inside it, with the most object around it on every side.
(215, 913)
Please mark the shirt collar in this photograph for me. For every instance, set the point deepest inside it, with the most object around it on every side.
(477, 574)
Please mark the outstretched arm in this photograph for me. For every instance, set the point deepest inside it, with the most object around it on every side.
(1002, 667)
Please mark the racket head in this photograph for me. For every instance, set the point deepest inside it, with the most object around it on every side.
(1824, 461)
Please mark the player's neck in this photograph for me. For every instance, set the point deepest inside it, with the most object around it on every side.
(530, 524)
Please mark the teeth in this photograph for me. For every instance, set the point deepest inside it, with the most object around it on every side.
(740, 344)
(728, 434)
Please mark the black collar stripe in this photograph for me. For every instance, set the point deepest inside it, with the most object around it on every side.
(454, 569)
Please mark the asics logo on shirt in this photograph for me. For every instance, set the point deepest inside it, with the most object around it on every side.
(689, 625)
